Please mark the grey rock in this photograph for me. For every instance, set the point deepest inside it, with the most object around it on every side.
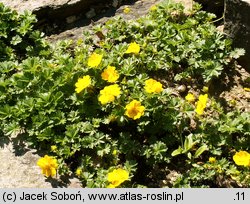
(115, 3)
(237, 27)
(53, 10)
(71, 19)
(20, 171)
(139, 2)
(91, 13)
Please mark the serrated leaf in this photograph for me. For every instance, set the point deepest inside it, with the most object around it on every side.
(237, 53)
(16, 40)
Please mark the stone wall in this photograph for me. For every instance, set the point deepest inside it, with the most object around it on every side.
(237, 27)
(48, 11)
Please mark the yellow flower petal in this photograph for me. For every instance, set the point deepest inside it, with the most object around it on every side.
(117, 177)
(153, 8)
(106, 98)
(48, 165)
(134, 110)
(247, 89)
(110, 74)
(205, 89)
(126, 10)
(109, 93)
(110, 186)
(190, 97)
(82, 83)
(114, 152)
(94, 60)
(242, 158)
(212, 159)
(78, 172)
(133, 48)
(53, 148)
(153, 86)
(201, 105)
(114, 90)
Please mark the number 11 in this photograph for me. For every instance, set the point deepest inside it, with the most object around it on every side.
(240, 195)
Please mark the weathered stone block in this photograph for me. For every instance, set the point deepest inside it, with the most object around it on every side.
(237, 26)
(56, 9)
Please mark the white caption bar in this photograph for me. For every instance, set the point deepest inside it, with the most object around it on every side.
(122, 195)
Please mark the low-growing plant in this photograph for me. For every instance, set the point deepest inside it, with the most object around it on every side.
(110, 112)
(18, 39)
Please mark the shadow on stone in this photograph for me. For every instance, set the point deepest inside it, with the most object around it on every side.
(3, 140)
(90, 14)
(215, 6)
(20, 146)
(64, 182)
(237, 26)
(225, 83)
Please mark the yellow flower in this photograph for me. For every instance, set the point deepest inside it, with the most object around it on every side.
(114, 152)
(233, 102)
(82, 83)
(247, 89)
(109, 93)
(117, 177)
(212, 159)
(101, 43)
(134, 110)
(219, 170)
(205, 166)
(201, 105)
(205, 89)
(48, 165)
(106, 98)
(153, 86)
(94, 60)
(53, 148)
(190, 97)
(114, 90)
(153, 8)
(78, 171)
(242, 158)
(110, 186)
(126, 10)
(110, 74)
(133, 48)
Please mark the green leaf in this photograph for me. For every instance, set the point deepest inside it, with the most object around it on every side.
(5, 112)
(13, 129)
(16, 40)
(103, 150)
(237, 53)
(72, 131)
(200, 151)
(188, 144)
(177, 151)
(189, 155)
